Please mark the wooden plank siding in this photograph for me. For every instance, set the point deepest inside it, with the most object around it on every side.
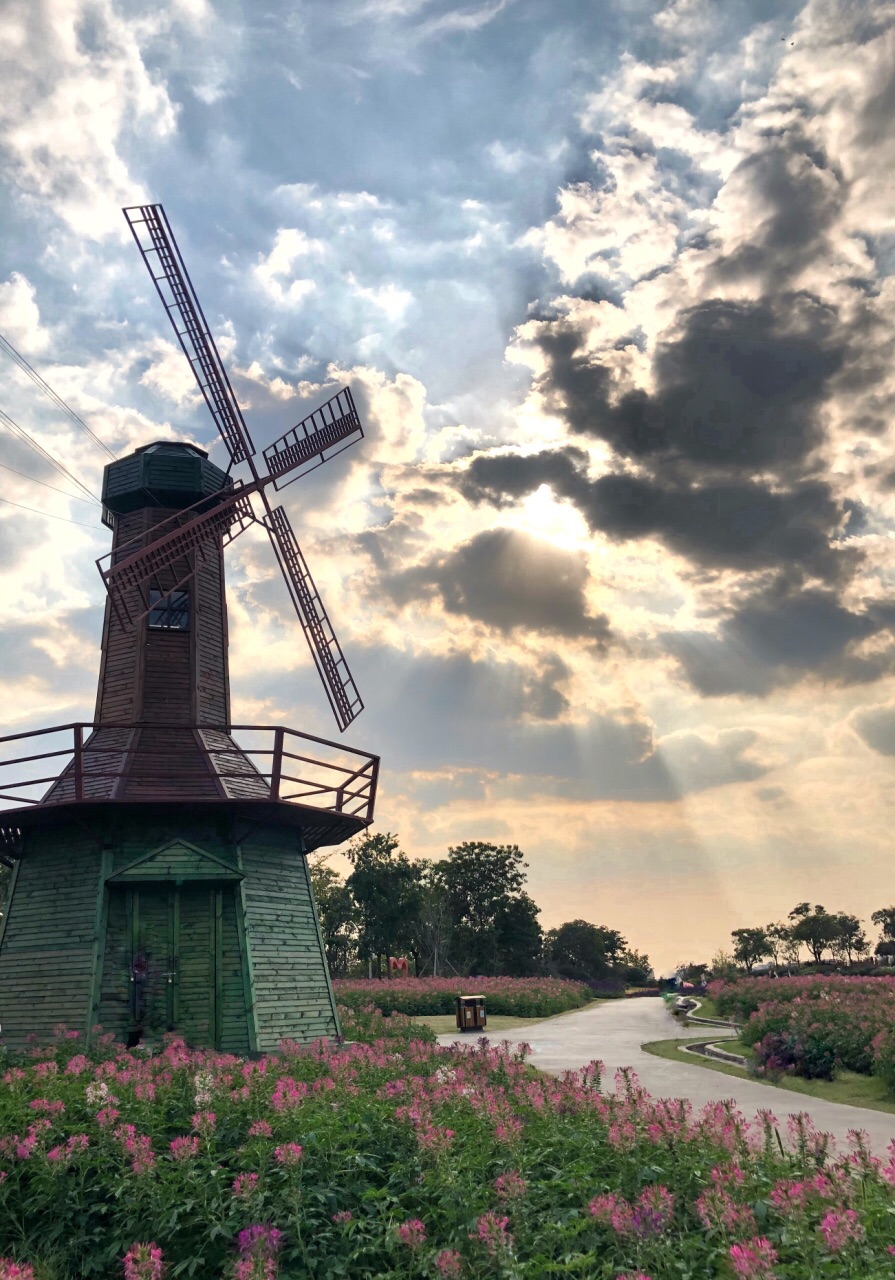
(292, 996)
(212, 684)
(46, 957)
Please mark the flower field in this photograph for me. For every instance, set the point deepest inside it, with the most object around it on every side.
(811, 1026)
(401, 1159)
(512, 997)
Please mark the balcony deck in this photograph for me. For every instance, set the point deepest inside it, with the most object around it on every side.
(272, 774)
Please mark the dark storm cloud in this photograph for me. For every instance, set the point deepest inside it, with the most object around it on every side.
(735, 524)
(739, 390)
(509, 580)
(775, 640)
(801, 198)
(876, 727)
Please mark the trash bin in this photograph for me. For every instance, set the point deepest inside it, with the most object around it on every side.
(471, 1014)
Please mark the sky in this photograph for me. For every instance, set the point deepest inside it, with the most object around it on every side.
(612, 284)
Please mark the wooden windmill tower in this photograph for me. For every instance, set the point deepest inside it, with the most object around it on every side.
(161, 883)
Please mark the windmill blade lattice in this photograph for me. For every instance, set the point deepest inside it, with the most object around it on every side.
(325, 648)
(332, 427)
(164, 263)
(170, 553)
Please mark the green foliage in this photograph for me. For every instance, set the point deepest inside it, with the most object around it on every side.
(750, 946)
(512, 997)
(386, 888)
(585, 952)
(817, 928)
(483, 884)
(338, 917)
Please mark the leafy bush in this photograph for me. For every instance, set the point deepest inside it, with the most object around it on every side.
(401, 1159)
(512, 997)
(810, 1026)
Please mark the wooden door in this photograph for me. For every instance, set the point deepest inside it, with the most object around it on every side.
(162, 963)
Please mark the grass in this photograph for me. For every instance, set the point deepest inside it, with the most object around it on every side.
(443, 1023)
(849, 1088)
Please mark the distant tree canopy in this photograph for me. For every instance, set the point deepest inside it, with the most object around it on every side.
(467, 913)
(827, 935)
(584, 951)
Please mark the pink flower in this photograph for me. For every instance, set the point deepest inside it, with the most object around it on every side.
(107, 1117)
(412, 1233)
(258, 1249)
(653, 1211)
(51, 1108)
(10, 1270)
(77, 1142)
(448, 1263)
(753, 1259)
(841, 1228)
(289, 1154)
(491, 1231)
(143, 1262)
(77, 1065)
(184, 1148)
(343, 1216)
(204, 1121)
(55, 1154)
(603, 1207)
(260, 1129)
(244, 1185)
(509, 1186)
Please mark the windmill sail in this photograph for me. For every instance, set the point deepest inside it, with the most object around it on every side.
(167, 561)
(156, 243)
(316, 439)
(325, 648)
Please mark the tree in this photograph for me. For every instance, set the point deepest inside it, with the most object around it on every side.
(723, 966)
(749, 946)
(584, 951)
(817, 928)
(689, 972)
(338, 917)
(519, 936)
(480, 881)
(885, 918)
(783, 948)
(434, 925)
(387, 890)
(849, 939)
(635, 968)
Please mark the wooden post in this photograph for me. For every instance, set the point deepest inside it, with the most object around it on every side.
(79, 762)
(276, 770)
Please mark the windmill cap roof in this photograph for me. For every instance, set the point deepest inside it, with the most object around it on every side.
(172, 446)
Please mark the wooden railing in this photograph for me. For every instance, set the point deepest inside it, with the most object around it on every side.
(120, 762)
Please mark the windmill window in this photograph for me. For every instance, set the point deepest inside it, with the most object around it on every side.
(169, 612)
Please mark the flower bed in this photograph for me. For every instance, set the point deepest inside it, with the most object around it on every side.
(811, 1026)
(404, 1159)
(512, 997)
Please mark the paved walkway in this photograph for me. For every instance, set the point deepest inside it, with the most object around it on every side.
(614, 1031)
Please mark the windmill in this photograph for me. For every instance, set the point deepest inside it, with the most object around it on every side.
(160, 884)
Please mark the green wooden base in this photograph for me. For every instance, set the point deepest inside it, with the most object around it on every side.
(205, 931)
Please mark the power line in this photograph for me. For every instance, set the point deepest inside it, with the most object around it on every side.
(49, 515)
(23, 435)
(74, 496)
(8, 349)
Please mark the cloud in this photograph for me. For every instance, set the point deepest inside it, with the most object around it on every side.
(876, 727)
(511, 581)
(738, 389)
(773, 640)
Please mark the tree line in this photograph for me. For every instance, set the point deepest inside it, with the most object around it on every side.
(467, 913)
(834, 936)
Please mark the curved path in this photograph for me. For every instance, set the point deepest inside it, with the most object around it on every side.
(614, 1031)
